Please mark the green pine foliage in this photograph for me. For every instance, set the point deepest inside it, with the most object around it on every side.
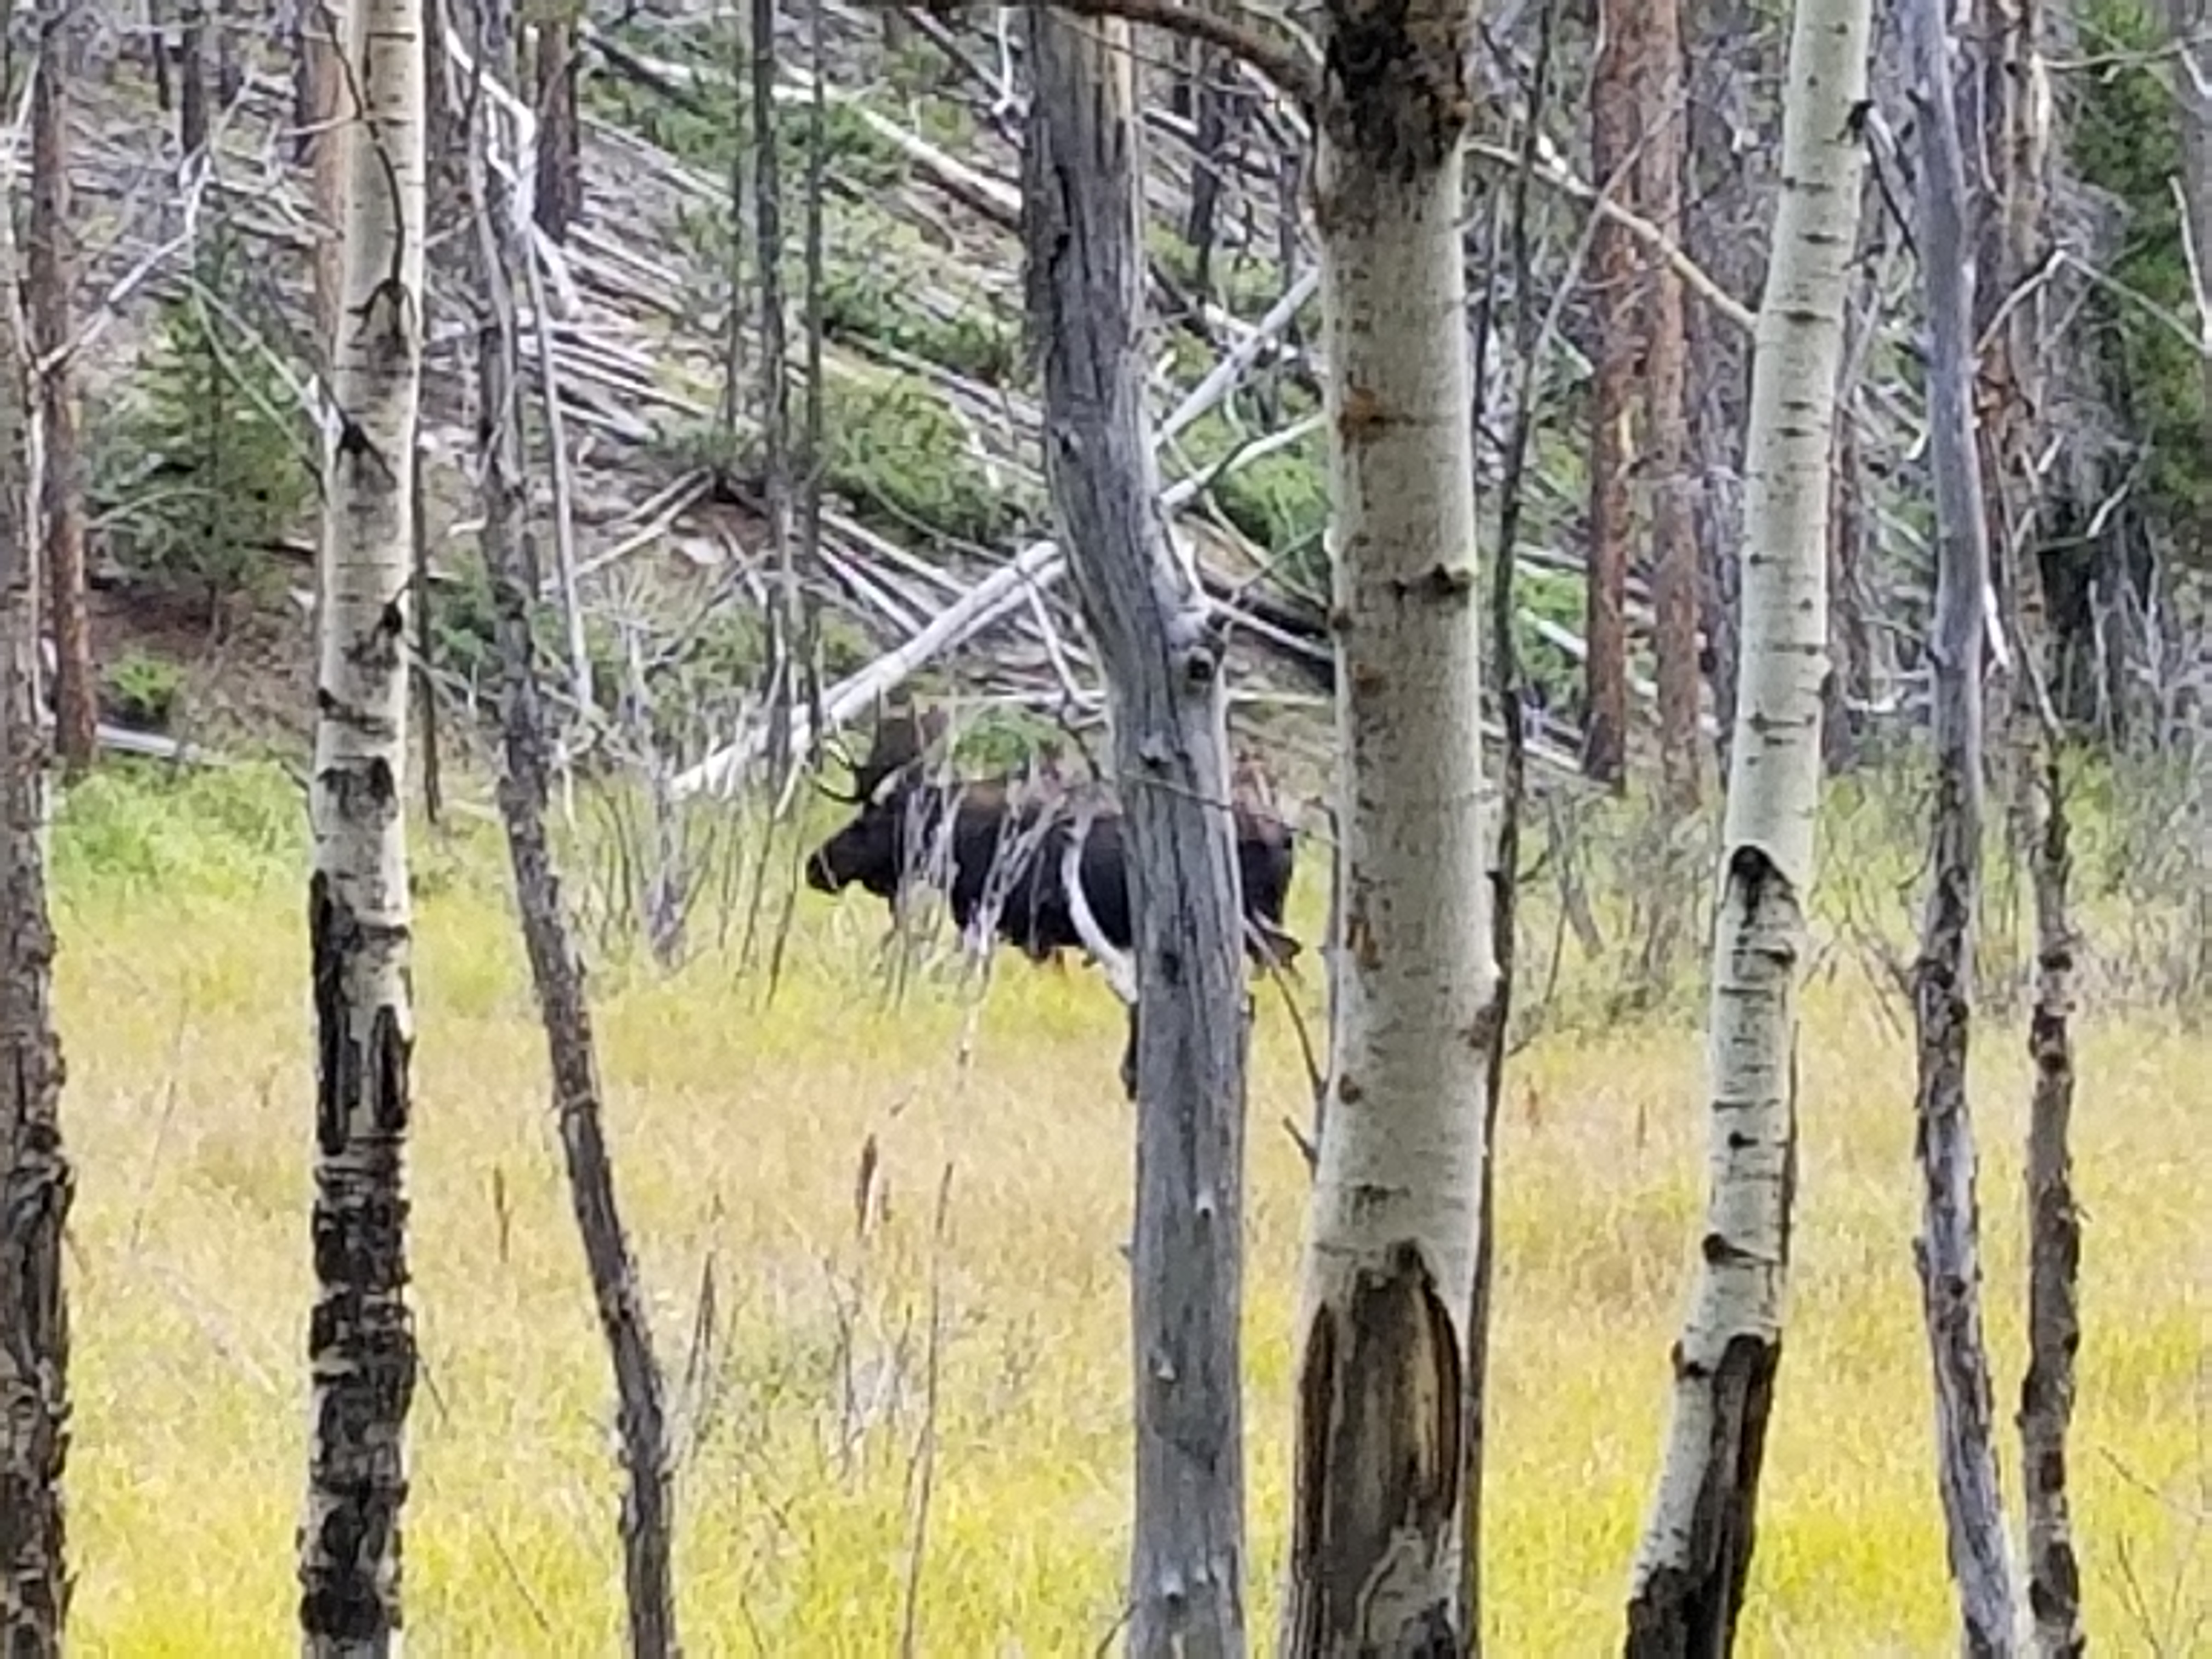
(2125, 139)
(205, 465)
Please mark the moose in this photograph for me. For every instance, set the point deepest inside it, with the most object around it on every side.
(1010, 844)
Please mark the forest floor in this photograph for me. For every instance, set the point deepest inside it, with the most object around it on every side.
(739, 1126)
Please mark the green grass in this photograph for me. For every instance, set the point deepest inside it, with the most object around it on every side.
(737, 1131)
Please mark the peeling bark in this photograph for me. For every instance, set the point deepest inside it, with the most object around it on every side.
(1948, 1253)
(1388, 1271)
(36, 1183)
(1165, 679)
(1691, 1567)
(361, 1340)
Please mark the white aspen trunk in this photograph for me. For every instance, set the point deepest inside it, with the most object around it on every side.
(360, 1342)
(1389, 1273)
(1691, 1567)
(1948, 1253)
(1165, 677)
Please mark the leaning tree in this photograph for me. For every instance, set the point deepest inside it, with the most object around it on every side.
(1692, 1565)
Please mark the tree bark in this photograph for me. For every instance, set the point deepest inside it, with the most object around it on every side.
(326, 82)
(1388, 1279)
(36, 1182)
(559, 192)
(192, 79)
(1615, 264)
(361, 1341)
(1947, 1251)
(1672, 495)
(1734, 49)
(1695, 1556)
(2054, 1241)
(61, 481)
(1221, 112)
(1850, 671)
(557, 973)
(1163, 658)
(2054, 1318)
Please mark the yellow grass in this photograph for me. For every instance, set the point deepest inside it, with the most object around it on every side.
(737, 1135)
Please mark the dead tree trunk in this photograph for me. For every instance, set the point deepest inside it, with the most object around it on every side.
(1615, 264)
(61, 481)
(325, 91)
(1732, 47)
(558, 191)
(1665, 383)
(193, 80)
(2054, 1241)
(361, 1337)
(1948, 1252)
(36, 1183)
(646, 1523)
(1529, 324)
(1164, 665)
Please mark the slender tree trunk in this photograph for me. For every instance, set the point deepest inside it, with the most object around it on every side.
(1849, 672)
(1733, 49)
(361, 1341)
(1948, 1252)
(1221, 113)
(193, 78)
(1666, 381)
(1528, 325)
(2054, 1239)
(1164, 673)
(559, 194)
(53, 266)
(36, 1182)
(1614, 266)
(325, 84)
(646, 1523)
(1695, 1557)
(1388, 1275)
(2054, 1319)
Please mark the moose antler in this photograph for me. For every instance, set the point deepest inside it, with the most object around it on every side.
(902, 737)
(1121, 971)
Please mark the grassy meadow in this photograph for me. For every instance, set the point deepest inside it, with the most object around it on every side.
(804, 1387)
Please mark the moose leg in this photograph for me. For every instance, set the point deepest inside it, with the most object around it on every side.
(1129, 1057)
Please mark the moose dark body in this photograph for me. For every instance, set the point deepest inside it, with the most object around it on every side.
(1023, 834)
